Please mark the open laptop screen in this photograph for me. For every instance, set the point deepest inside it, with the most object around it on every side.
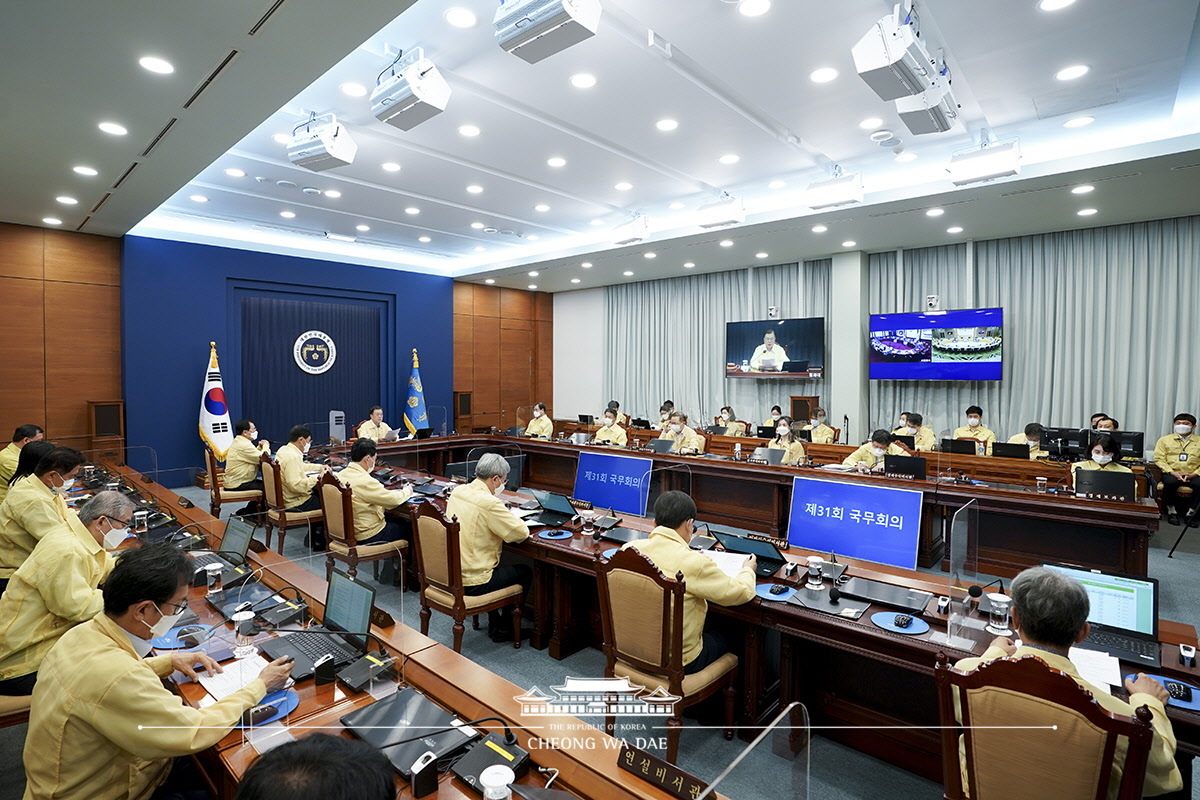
(238, 532)
(348, 604)
(1124, 602)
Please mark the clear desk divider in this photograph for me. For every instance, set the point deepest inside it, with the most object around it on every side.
(523, 415)
(439, 419)
(961, 624)
(320, 433)
(790, 738)
(267, 737)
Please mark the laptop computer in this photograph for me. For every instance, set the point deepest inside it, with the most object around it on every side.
(1007, 450)
(236, 539)
(716, 430)
(621, 535)
(904, 466)
(587, 419)
(965, 447)
(803, 434)
(408, 714)
(768, 555)
(556, 509)
(766, 432)
(640, 424)
(660, 445)
(1096, 484)
(908, 441)
(347, 608)
(795, 366)
(772, 455)
(1123, 614)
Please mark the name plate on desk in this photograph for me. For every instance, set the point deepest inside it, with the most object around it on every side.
(668, 777)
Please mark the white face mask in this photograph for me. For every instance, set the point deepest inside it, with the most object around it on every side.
(973, 422)
(115, 536)
(664, 417)
(879, 452)
(724, 416)
(498, 489)
(911, 430)
(1183, 430)
(537, 412)
(677, 429)
(306, 446)
(782, 430)
(609, 422)
(1033, 443)
(775, 416)
(903, 424)
(164, 625)
(814, 422)
(1101, 458)
(67, 484)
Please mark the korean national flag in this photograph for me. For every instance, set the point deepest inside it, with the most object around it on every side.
(215, 428)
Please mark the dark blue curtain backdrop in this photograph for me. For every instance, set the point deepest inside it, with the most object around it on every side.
(176, 297)
(277, 393)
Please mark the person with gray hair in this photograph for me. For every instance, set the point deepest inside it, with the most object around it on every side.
(57, 587)
(1050, 612)
(485, 524)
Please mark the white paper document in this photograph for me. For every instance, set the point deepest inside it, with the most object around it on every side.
(236, 675)
(729, 563)
(1098, 669)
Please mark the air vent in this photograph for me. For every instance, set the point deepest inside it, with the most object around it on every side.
(125, 174)
(212, 76)
(1184, 166)
(101, 202)
(265, 17)
(86, 220)
(154, 142)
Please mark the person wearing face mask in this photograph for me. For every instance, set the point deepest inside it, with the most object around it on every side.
(1178, 456)
(298, 492)
(485, 524)
(36, 504)
(914, 426)
(1105, 455)
(773, 418)
(902, 428)
(56, 587)
(1032, 438)
(241, 460)
(729, 421)
(869, 457)
(102, 725)
(370, 500)
(610, 432)
(974, 429)
(540, 426)
(664, 414)
(686, 440)
(820, 432)
(786, 440)
(11, 454)
(615, 406)
(373, 427)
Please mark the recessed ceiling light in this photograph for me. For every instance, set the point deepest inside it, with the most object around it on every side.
(460, 17)
(478, 226)
(1086, 212)
(823, 75)
(490, 280)
(533, 237)
(627, 273)
(52, 220)
(689, 264)
(666, 125)
(676, 205)
(1078, 122)
(282, 138)
(954, 229)
(533, 286)
(113, 128)
(753, 8)
(870, 122)
(354, 89)
(66, 201)
(156, 64)
(480, 249)
(623, 186)
(390, 166)
(583, 80)
(333, 193)
(199, 198)
(849, 243)
(234, 172)
(556, 161)
(362, 228)
(776, 184)
(541, 207)
(906, 156)
(574, 280)
(340, 237)
(819, 229)
(1072, 72)
(1084, 189)
(468, 130)
(1054, 5)
(882, 136)
(649, 255)
(85, 171)
(730, 158)
(284, 214)
(935, 212)
(424, 240)
(586, 265)
(475, 188)
(533, 273)
(727, 243)
(412, 210)
(760, 255)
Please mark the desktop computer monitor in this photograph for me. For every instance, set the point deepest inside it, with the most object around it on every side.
(1132, 443)
(874, 523)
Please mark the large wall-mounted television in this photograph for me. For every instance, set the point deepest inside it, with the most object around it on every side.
(964, 345)
(775, 348)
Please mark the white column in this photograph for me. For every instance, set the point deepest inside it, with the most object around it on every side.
(847, 347)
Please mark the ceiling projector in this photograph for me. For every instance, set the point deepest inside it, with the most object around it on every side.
(725, 210)
(535, 29)
(321, 147)
(414, 92)
(891, 58)
(932, 111)
(635, 230)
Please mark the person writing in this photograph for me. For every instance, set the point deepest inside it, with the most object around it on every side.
(768, 356)
(869, 457)
(540, 426)
(686, 440)
(1178, 456)
(819, 431)
(974, 430)
(730, 423)
(610, 432)
(787, 441)
(1032, 438)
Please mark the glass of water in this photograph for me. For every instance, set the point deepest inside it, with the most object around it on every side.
(243, 642)
(998, 618)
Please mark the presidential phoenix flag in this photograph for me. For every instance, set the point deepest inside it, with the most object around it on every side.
(215, 428)
(415, 416)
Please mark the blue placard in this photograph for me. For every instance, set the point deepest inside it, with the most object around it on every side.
(965, 345)
(856, 519)
(621, 483)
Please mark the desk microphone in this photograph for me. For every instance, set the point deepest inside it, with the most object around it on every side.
(186, 542)
(976, 591)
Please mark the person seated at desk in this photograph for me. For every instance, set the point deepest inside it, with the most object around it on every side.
(730, 423)
(540, 426)
(869, 457)
(241, 463)
(485, 524)
(56, 587)
(667, 548)
(786, 440)
(320, 767)
(36, 502)
(1105, 455)
(686, 440)
(773, 418)
(615, 406)
(11, 454)
(974, 430)
(370, 499)
(373, 427)
(914, 426)
(902, 427)
(102, 725)
(1177, 455)
(820, 432)
(664, 414)
(1107, 424)
(768, 356)
(298, 486)
(1032, 438)
(1050, 611)
(610, 432)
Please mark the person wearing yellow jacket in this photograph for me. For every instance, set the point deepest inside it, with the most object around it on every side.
(610, 432)
(974, 429)
(787, 441)
(869, 457)
(11, 454)
(102, 726)
(821, 433)
(1031, 438)
(373, 427)
(923, 438)
(370, 499)
(667, 548)
(686, 440)
(541, 425)
(242, 458)
(1050, 612)
(57, 587)
(36, 504)
(293, 472)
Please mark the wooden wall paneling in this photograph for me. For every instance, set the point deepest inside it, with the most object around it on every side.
(23, 385)
(21, 251)
(516, 305)
(486, 367)
(543, 310)
(464, 352)
(464, 298)
(516, 372)
(81, 258)
(487, 301)
(543, 361)
(83, 353)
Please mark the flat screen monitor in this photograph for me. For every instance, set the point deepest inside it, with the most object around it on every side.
(1132, 443)
(619, 482)
(775, 348)
(874, 523)
(964, 345)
